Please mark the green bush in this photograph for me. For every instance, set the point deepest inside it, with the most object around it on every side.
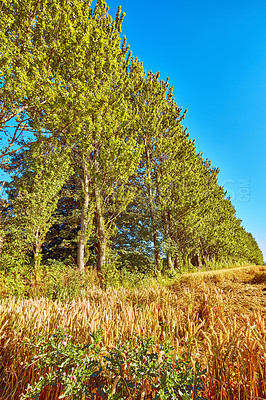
(16, 282)
(136, 368)
(61, 282)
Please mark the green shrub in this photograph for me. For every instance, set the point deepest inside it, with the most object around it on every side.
(62, 282)
(137, 368)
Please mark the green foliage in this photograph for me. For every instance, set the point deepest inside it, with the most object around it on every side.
(17, 281)
(61, 282)
(55, 280)
(137, 368)
(46, 169)
(106, 165)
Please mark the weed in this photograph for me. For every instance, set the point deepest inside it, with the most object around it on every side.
(133, 369)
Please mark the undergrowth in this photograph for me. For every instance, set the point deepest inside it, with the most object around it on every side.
(216, 321)
(135, 368)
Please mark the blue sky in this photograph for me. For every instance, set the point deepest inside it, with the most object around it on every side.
(214, 53)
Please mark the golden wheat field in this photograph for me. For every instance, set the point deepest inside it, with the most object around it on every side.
(218, 318)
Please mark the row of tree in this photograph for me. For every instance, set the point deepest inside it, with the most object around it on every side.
(101, 165)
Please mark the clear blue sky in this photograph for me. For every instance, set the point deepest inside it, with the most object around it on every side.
(214, 53)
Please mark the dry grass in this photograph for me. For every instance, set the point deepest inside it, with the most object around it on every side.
(219, 318)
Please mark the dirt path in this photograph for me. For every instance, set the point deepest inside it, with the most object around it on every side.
(247, 269)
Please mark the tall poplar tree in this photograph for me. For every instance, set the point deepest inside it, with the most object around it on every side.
(156, 119)
(31, 86)
(104, 148)
(35, 191)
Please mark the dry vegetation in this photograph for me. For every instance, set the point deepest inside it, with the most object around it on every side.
(218, 318)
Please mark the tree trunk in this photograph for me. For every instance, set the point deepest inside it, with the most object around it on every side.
(198, 259)
(37, 254)
(83, 223)
(157, 257)
(166, 223)
(1, 243)
(170, 265)
(176, 262)
(101, 244)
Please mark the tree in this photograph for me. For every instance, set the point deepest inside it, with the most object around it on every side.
(158, 116)
(37, 193)
(106, 153)
(41, 45)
